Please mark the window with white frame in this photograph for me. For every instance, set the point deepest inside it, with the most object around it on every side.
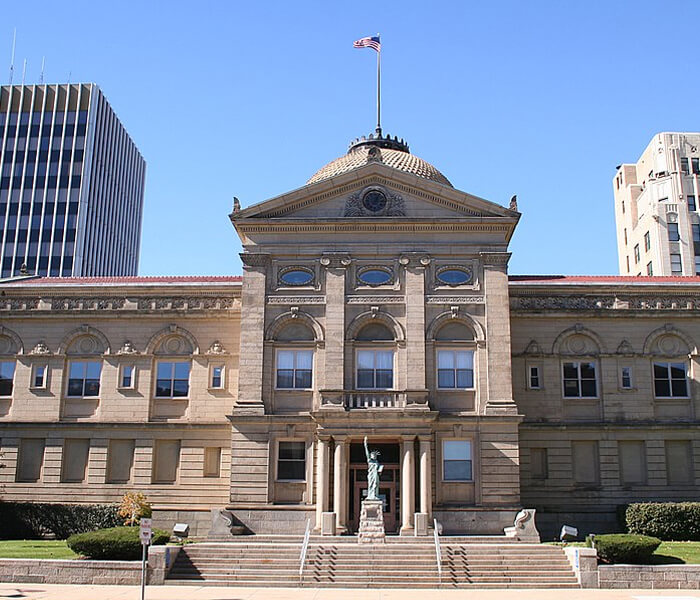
(291, 461)
(172, 379)
(626, 378)
(457, 460)
(216, 377)
(579, 380)
(127, 377)
(7, 376)
(455, 369)
(670, 380)
(84, 378)
(534, 378)
(375, 369)
(40, 375)
(294, 369)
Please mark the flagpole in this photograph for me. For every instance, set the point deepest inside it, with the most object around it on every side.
(379, 88)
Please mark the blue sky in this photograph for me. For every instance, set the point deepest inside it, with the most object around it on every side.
(245, 99)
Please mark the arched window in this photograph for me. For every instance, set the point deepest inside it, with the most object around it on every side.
(84, 349)
(173, 349)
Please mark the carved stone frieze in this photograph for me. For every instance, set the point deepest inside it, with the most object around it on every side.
(296, 299)
(184, 302)
(597, 302)
(83, 303)
(455, 300)
(375, 300)
(19, 303)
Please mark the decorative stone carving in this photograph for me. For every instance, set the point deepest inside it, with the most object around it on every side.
(513, 202)
(336, 259)
(394, 207)
(379, 299)
(625, 348)
(254, 259)
(523, 526)
(533, 348)
(82, 303)
(217, 348)
(374, 154)
(669, 345)
(187, 303)
(497, 259)
(454, 310)
(415, 259)
(127, 348)
(295, 311)
(371, 529)
(40, 349)
(19, 303)
(296, 299)
(455, 300)
(374, 310)
(605, 302)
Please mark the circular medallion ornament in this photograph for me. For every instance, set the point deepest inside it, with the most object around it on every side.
(374, 201)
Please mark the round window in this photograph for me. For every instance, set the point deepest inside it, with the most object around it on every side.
(296, 277)
(454, 276)
(374, 277)
(374, 201)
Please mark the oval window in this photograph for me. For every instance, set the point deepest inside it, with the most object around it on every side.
(454, 276)
(296, 277)
(374, 277)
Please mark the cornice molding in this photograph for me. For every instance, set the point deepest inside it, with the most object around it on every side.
(101, 304)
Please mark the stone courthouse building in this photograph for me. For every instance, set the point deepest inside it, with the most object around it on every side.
(375, 301)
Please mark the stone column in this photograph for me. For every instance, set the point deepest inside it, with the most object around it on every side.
(250, 370)
(415, 319)
(321, 479)
(408, 502)
(334, 370)
(497, 303)
(340, 488)
(426, 490)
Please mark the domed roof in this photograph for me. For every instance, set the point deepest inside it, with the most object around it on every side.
(377, 148)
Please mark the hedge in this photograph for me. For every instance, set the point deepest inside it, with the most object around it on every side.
(674, 521)
(116, 543)
(29, 520)
(625, 547)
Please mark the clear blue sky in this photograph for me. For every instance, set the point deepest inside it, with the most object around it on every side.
(249, 99)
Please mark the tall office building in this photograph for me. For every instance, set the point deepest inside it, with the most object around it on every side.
(656, 208)
(71, 184)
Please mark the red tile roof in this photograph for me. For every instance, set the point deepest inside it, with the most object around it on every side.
(125, 280)
(602, 279)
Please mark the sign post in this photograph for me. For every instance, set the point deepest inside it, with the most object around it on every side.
(145, 533)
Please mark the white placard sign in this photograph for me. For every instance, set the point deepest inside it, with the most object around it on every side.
(145, 531)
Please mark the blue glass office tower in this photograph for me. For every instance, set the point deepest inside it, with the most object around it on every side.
(71, 184)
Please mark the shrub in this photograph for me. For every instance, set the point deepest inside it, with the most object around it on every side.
(625, 547)
(678, 521)
(27, 520)
(116, 543)
(133, 507)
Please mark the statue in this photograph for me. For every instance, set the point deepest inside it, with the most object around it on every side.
(373, 471)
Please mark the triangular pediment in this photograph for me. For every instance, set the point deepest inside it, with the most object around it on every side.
(405, 196)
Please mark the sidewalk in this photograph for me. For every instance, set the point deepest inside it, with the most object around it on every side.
(170, 592)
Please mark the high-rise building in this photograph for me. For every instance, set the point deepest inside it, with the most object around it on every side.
(656, 202)
(71, 184)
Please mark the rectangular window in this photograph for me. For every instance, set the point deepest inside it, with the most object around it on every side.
(127, 376)
(456, 460)
(636, 254)
(697, 264)
(695, 162)
(75, 460)
(173, 380)
(30, 459)
(647, 241)
(84, 379)
(39, 376)
(7, 376)
(691, 203)
(579, 380)
(696, 232)
(627, 261)
(539, 463)
(294, 369)
(120, 461)
(676, 265)
(584, 462)
(166, 461)
(679, 462)
(626, 378)
(670, 380)
(633, 463)
(625, 232)
(455, 369)
(217, 377)
(650, 269)
(533, 377)
(291, 461)
(212, 462)
(673, 235)
(684, 165)
(375, 369)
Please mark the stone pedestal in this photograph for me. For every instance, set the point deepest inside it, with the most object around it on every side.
(371, 523)
(420, 521)
(328, 523)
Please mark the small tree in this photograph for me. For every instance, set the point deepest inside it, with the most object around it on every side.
(134, 506)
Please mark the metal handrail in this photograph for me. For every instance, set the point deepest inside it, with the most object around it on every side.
(304, 548)
(438, 549)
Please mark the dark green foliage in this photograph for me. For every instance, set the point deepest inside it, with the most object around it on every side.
(27, 520)
(625, 547)
(621, 515)
(116, 543)
(668, 521)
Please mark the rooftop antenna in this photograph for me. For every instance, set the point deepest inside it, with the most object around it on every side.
(43, 63)
(24, 70)
(12, 60)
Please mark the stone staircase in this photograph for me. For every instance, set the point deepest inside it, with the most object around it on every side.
(469, 562)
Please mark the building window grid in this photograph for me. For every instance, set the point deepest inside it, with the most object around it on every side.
(294, 369)
(457, 462)
(291, 461)
(579, 379)
(172, 379)
(691, 204)
(84, 379)
(375, 369)
(676, 264)
(40, 375)
(626, 378)
(647, 241)
(670, 380)
(636, 254)
(534, 381)
(455, 369)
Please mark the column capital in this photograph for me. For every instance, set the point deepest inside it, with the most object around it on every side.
(340, 439)
(406, 439)
(335, 260)
(425, 438)
(255, 259)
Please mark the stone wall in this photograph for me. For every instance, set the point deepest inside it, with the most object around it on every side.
(671, 577)
(80, 572)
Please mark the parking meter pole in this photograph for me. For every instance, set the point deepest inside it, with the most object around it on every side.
(143, 571)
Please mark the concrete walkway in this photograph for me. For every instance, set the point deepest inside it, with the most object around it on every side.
(169, 592)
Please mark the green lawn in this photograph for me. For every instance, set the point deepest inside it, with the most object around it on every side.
(35, 549)
(677, 553)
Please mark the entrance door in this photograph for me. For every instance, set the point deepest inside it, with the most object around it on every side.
(389, 484)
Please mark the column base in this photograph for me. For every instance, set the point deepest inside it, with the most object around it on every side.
(407, 530)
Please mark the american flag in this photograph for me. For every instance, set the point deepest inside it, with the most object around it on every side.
(368, 42)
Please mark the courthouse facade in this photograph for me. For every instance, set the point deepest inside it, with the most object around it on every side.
(374, 301)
